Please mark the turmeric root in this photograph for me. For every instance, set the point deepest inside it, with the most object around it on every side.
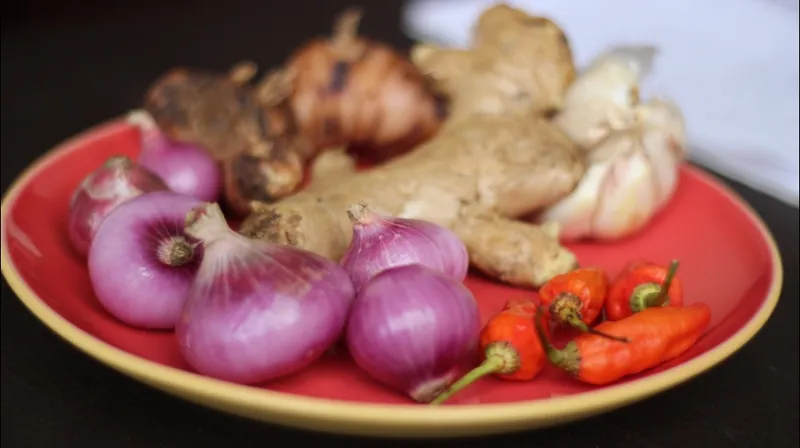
(356, 92)
(481, 170)
(249, 129)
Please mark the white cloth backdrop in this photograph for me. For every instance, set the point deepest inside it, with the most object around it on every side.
(732, 66)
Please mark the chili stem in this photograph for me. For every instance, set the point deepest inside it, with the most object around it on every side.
(650, 295)
(663, 295)
(575, 322)
(489, 366)
(567, 359)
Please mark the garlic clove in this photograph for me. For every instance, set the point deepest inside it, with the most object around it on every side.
(664, 142)
(629, 197)
(632, 174)
(638, 59)
(604, 96)
(575, 213)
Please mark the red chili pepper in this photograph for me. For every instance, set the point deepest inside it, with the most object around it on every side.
(643, 285)
(656, 335)
(511, 348)
(576, 298)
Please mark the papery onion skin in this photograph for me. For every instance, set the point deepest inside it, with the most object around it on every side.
(411, 327)
(141, 264)
(258, 311)
(118, 180)
(186, 168)
(382, 242)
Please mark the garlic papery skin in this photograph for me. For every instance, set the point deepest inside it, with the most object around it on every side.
(603, 98)
(632, 174)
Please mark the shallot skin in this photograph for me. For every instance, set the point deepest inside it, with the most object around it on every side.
(185, 168)
(383, 242)
(118, 180)
(259, 311)
(411, 327)
(128, 276)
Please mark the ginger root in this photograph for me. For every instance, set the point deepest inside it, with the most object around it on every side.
(332, 165)
(517, 64)
(487, 166)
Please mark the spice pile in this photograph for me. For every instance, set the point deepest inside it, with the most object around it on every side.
(479, 153)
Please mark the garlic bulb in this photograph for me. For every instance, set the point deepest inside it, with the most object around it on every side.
(604, 96)
(634, 148)
(633, 172)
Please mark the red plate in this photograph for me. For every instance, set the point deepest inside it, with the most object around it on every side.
(728, 259)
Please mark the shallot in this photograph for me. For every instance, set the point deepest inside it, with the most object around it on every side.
(411, 328)
(141, 264)
(185, 167)
(382, 242)
(258, 311)
(116, 181)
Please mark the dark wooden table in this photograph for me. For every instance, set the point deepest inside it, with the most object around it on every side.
(71, 69)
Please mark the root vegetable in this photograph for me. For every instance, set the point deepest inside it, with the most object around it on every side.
(331, 165)
(477, 174)
(383, 242)
(250, 129)
(118, 180)
(185, 168)
(257, 311)
(356, 92)
(517, 63)
(142, 264)
(411, 328)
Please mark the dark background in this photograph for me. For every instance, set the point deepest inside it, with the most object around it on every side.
(69, 65)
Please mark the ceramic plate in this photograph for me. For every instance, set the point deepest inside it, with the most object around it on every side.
(729, 260)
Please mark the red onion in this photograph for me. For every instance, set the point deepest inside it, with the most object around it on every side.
(258, 311)
(382, 242)
(186, 168)
(116, 181)
(141, 264)
(411, 327)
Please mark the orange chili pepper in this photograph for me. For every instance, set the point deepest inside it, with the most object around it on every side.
(511, 348)
(656, 335)
(576, 298)
(643, 285)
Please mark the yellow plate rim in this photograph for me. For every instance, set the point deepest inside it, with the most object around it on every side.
(321, 413)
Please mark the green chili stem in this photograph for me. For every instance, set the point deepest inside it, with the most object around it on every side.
(575, 322)
(650, 295)
(489, 366)
(554, 355)
(663, 295)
